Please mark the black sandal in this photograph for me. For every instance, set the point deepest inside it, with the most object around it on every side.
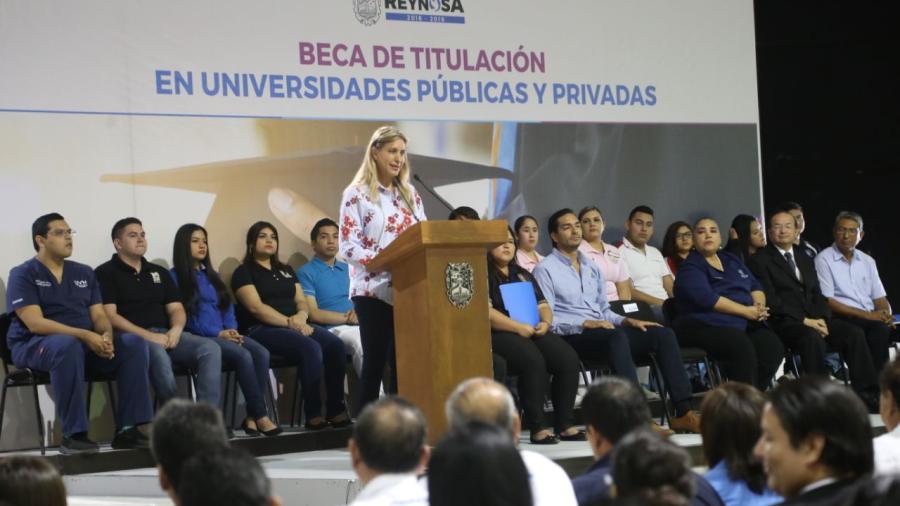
(549, 439)
(578, 436)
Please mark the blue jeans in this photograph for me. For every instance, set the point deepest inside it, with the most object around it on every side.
(312, 353)
(250, 362)
(199, 354)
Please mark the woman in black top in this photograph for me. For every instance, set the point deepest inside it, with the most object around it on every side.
(531, 352)
(745, 237)
(272, 310)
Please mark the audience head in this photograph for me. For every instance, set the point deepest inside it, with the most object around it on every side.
(464, 213)
(747, 235)
(890, 395)
(262, 244)
(483, 400)
(639, 226)
(181, 430)
(477, 465)
(30, 481)
(783, 229)
(730, 429)
(795, 210)
(190, 251)
(504, 254)
(385, 159)
(51, 232)
(813, 429)
(225, 477)
(652, 470)
(565, 230)
(848, 231)
(526, 228)
(592, 224)
(678, 241)
(324, 238)
(129, 238)
(611, 408)
(389, 437)
(707, 238)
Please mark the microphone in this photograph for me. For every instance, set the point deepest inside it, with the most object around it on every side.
(412, 210)
(433, 192)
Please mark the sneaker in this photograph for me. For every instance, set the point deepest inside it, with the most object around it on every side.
(78, 444)
(662, 431)
(131, 439)
(688, 422)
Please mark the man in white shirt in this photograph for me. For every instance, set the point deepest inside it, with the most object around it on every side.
(652, 279)
(486, 401)
(388, 451)
(887, 446)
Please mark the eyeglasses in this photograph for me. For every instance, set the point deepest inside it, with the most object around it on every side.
(848, 231)
(59, 232)
(685, 235)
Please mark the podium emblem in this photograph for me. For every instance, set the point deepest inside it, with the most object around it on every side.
(460, 278)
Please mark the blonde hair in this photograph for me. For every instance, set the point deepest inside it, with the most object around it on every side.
(367, 175)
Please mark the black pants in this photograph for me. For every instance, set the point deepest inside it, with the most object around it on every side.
(846, 338)
(878, 337)
(750, 356)
(533, 360)
(376, 331)
(617, 346)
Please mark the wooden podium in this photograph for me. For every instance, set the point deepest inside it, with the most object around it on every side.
(443, 334)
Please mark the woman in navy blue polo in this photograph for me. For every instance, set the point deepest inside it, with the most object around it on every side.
(210, 313)
(721, 308)
(272, 310)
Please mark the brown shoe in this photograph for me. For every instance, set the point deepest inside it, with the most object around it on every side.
(662, 431)
(688, 422)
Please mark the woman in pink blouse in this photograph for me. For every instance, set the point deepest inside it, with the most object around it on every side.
(526, 228)
(606, 256)
(377, 206)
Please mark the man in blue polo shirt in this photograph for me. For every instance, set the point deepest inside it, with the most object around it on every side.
(326, 285)
(573, 286)
(849, 280)
(59, 326)
(140, 297)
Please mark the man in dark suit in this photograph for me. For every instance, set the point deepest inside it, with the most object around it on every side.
(799, 312)
(816, 442)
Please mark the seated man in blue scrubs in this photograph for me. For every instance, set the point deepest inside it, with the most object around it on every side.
(140, 298)
(574, 287)
(326, 286)
(59, 326)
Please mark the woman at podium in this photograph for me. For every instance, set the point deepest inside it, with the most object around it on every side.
(377, 206)
(520, 333)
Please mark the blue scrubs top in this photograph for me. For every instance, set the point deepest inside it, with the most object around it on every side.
(699, 285)
(66, 302)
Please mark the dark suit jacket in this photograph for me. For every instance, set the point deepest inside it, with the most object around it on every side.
(788, 298)
(839, 493)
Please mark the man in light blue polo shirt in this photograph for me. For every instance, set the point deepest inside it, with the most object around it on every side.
(850, 281)
(574, 287)
(326, 285)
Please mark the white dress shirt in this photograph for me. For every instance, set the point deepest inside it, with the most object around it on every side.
(887, 452)
(393, 490)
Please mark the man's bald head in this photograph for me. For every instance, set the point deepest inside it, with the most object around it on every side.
(482, 400)
(390, 435)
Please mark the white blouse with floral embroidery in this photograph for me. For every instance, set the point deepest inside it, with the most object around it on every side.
(367, 227)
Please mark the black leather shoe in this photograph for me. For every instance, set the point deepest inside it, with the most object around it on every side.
(131, 439)
(578, 436)
(272, 432)
(549, 439)
(78, 444)
(245, 425)
(317, 426)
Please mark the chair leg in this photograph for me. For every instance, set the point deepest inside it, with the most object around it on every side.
(87, 400)
(225, 396)
(662, 386)
(584, 376)
(2, 408)
(294, 399)
(846, 375)
(270, 389)
(40, 419)
(112, 403)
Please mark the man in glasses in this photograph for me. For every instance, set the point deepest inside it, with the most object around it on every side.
(59, 326)
(850, 281)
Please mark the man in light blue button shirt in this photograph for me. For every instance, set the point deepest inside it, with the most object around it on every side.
(574, 287)
(850, 281)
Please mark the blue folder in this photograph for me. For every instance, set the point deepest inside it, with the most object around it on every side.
(520, 302)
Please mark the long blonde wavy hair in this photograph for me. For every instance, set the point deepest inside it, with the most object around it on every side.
(367, 174)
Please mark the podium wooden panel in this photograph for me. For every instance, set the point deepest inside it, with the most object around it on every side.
(438, 344)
